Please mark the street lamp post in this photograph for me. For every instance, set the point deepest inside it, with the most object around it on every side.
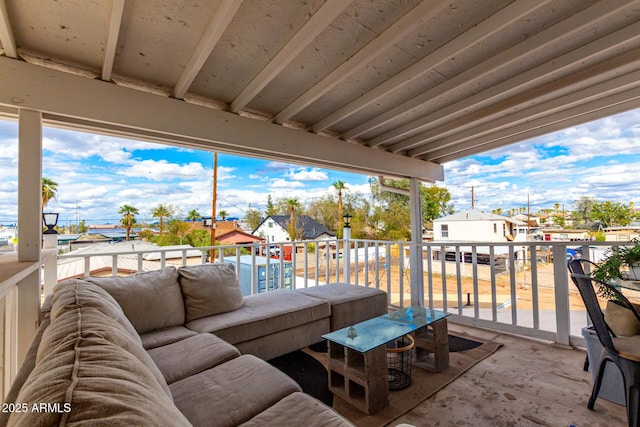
(346, 255)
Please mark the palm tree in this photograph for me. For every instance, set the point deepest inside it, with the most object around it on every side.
(224, 214)
(162, 211)
(49, 189)
(339, 185)
(193, 215)
(293, 204)
(128, 217)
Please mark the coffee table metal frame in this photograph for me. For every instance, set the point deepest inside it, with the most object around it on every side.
(358, 354)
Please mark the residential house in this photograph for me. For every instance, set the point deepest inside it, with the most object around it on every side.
(227, 232)
(622, 233)
(477, 226)
(275, 228)
(235, 235)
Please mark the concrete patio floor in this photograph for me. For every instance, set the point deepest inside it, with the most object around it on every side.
(525, 383)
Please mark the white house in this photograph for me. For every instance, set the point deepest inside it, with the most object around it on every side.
(274, 228)
(477, 226)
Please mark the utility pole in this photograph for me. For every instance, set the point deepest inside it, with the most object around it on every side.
(213, 203)
(472, 197)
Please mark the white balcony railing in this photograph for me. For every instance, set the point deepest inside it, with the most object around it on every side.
(491, 285)
(520, 288)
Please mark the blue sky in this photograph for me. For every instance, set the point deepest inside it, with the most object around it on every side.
(97, 174)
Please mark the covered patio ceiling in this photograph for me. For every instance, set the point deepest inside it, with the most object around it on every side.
(382, 87)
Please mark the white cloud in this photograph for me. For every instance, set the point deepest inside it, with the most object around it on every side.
(160, 170)
(283, 184)
(308, 174)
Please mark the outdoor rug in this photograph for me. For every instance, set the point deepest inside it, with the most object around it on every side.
(465, 352)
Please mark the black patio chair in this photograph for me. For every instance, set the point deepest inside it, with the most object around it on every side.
(623, 352)
(576, 267)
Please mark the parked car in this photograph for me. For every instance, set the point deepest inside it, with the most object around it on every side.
(574, 253)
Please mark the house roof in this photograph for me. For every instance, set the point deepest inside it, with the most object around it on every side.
(477, 215)
(371, 86)
(238, 237)
(311, 229)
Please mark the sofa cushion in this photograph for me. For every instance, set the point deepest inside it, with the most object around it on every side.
(231, 393)
(350, 304)
(90, 380)
(150, 300)
(263, 314)
(192, 355)
(209, 289)
(25, 370)
(312, 411)
(165, 336)
(70, 327)
(72, 294)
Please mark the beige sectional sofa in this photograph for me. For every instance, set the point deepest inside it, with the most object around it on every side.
(177, 347)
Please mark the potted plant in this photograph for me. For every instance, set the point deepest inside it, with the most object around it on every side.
(622, 263)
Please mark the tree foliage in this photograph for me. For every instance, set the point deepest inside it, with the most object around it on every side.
(391, 214)
(128, 219)
(253, 218)
(49, 191)
(161, 212)
(193, 215)
(611, 213)
(583, 210)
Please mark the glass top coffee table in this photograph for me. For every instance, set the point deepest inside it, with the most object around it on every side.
(358, 356)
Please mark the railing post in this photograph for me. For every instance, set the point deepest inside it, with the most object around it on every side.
(30, 225)
(346, 254)
(561, 286)
(415, 251)
(50, 241)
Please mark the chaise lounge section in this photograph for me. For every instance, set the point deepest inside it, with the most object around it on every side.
(178, 347)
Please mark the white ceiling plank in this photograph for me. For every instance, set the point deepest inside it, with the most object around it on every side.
(556, 66)
(527, 115)
(138, 114)
(6, 34)
(540, 41)
(219, 23)
(475, 35)
(405, 25)
(574, 120)
(601, 76)
(564, 116)
(318, 22)
(112, 39)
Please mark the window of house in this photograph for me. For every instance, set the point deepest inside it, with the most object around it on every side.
(504, 229)
(495, 227)
(270, 224)
(444, 230)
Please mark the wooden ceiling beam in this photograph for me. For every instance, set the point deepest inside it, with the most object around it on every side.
(628, 38)
(314, 26)
(401, 28)
(562, 116)
(112, 39)
(473, 36)
(6, 34)
(218, 24)
(540, 41)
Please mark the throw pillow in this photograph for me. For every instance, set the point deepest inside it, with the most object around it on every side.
(209, 289)
(150, 300)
